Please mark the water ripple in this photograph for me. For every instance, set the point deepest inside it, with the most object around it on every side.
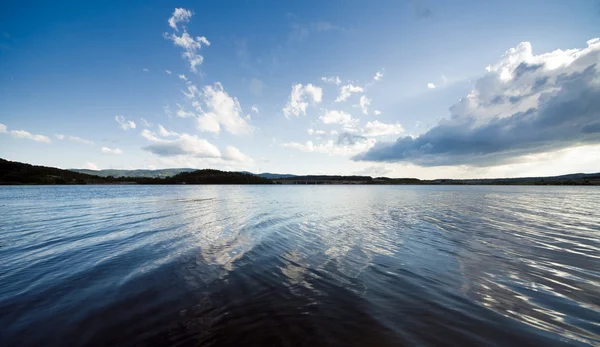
(285, 265)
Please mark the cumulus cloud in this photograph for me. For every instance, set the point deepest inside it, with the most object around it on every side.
(189, 146)
(222, 111)
(337, 117)
(378, 76)
(346, 91)
(233, 154)
(346, 145)
(300, 97)
(22, 134)
(378, 128)
(332, 80)
(145, 70)
(525, 104)
(124, 123)
(180, 15)
(190, 45)
(254, 109)
(106, 150)
(430, 85)
(365, 102)
(377, 112)
(182, 77)
(168, 72)
(184, 144)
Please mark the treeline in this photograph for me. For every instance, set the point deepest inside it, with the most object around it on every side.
(20, 173)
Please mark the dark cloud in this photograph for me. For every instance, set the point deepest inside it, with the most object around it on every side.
(566, 114)
(524, 68)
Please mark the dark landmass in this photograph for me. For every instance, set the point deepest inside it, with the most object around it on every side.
(134, 173)
(20, 173)
(162, 173)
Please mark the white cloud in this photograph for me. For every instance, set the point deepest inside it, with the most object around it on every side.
(74, 139)
(184, 144)
(316, 132)
(125, 124)
(182, 77)
(377, 128)
(332, 80)
(254, 109)
(145, 70)
(346, 91)
(525, 105)
(91, 166)
(22, 134)
(378, 76)
(300, 98)
(430, 85)
(377, 112)
(3, 128)
(168, 72)
(223, 110)
(364, 104)
(186, 147)
(106, 150)
(337, 117)
(180, 15)
(165, 133)
(333, 148)
(233, 154)
(190, 46)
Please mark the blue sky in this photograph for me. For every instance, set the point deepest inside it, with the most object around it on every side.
(396, 88)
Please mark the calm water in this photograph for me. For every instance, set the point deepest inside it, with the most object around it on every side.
(299, 265)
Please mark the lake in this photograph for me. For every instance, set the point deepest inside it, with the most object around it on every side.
(299, 265)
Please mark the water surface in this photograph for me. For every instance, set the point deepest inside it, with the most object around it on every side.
(299, 265)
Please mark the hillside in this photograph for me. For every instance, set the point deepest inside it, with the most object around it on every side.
(134, 173)
(208, 176)
(12, 172)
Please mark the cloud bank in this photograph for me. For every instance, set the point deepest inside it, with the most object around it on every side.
(525, 104)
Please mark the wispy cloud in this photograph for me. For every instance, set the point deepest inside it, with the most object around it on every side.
(189, 44)
(124, 123)
(106, 150)
(22, 134)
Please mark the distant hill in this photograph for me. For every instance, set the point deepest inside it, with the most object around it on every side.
(270, 176)
(20, 173)
(134, 173)
(12, 172)
(208, 176)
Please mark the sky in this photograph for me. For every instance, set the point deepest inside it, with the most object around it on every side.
(416, 88)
